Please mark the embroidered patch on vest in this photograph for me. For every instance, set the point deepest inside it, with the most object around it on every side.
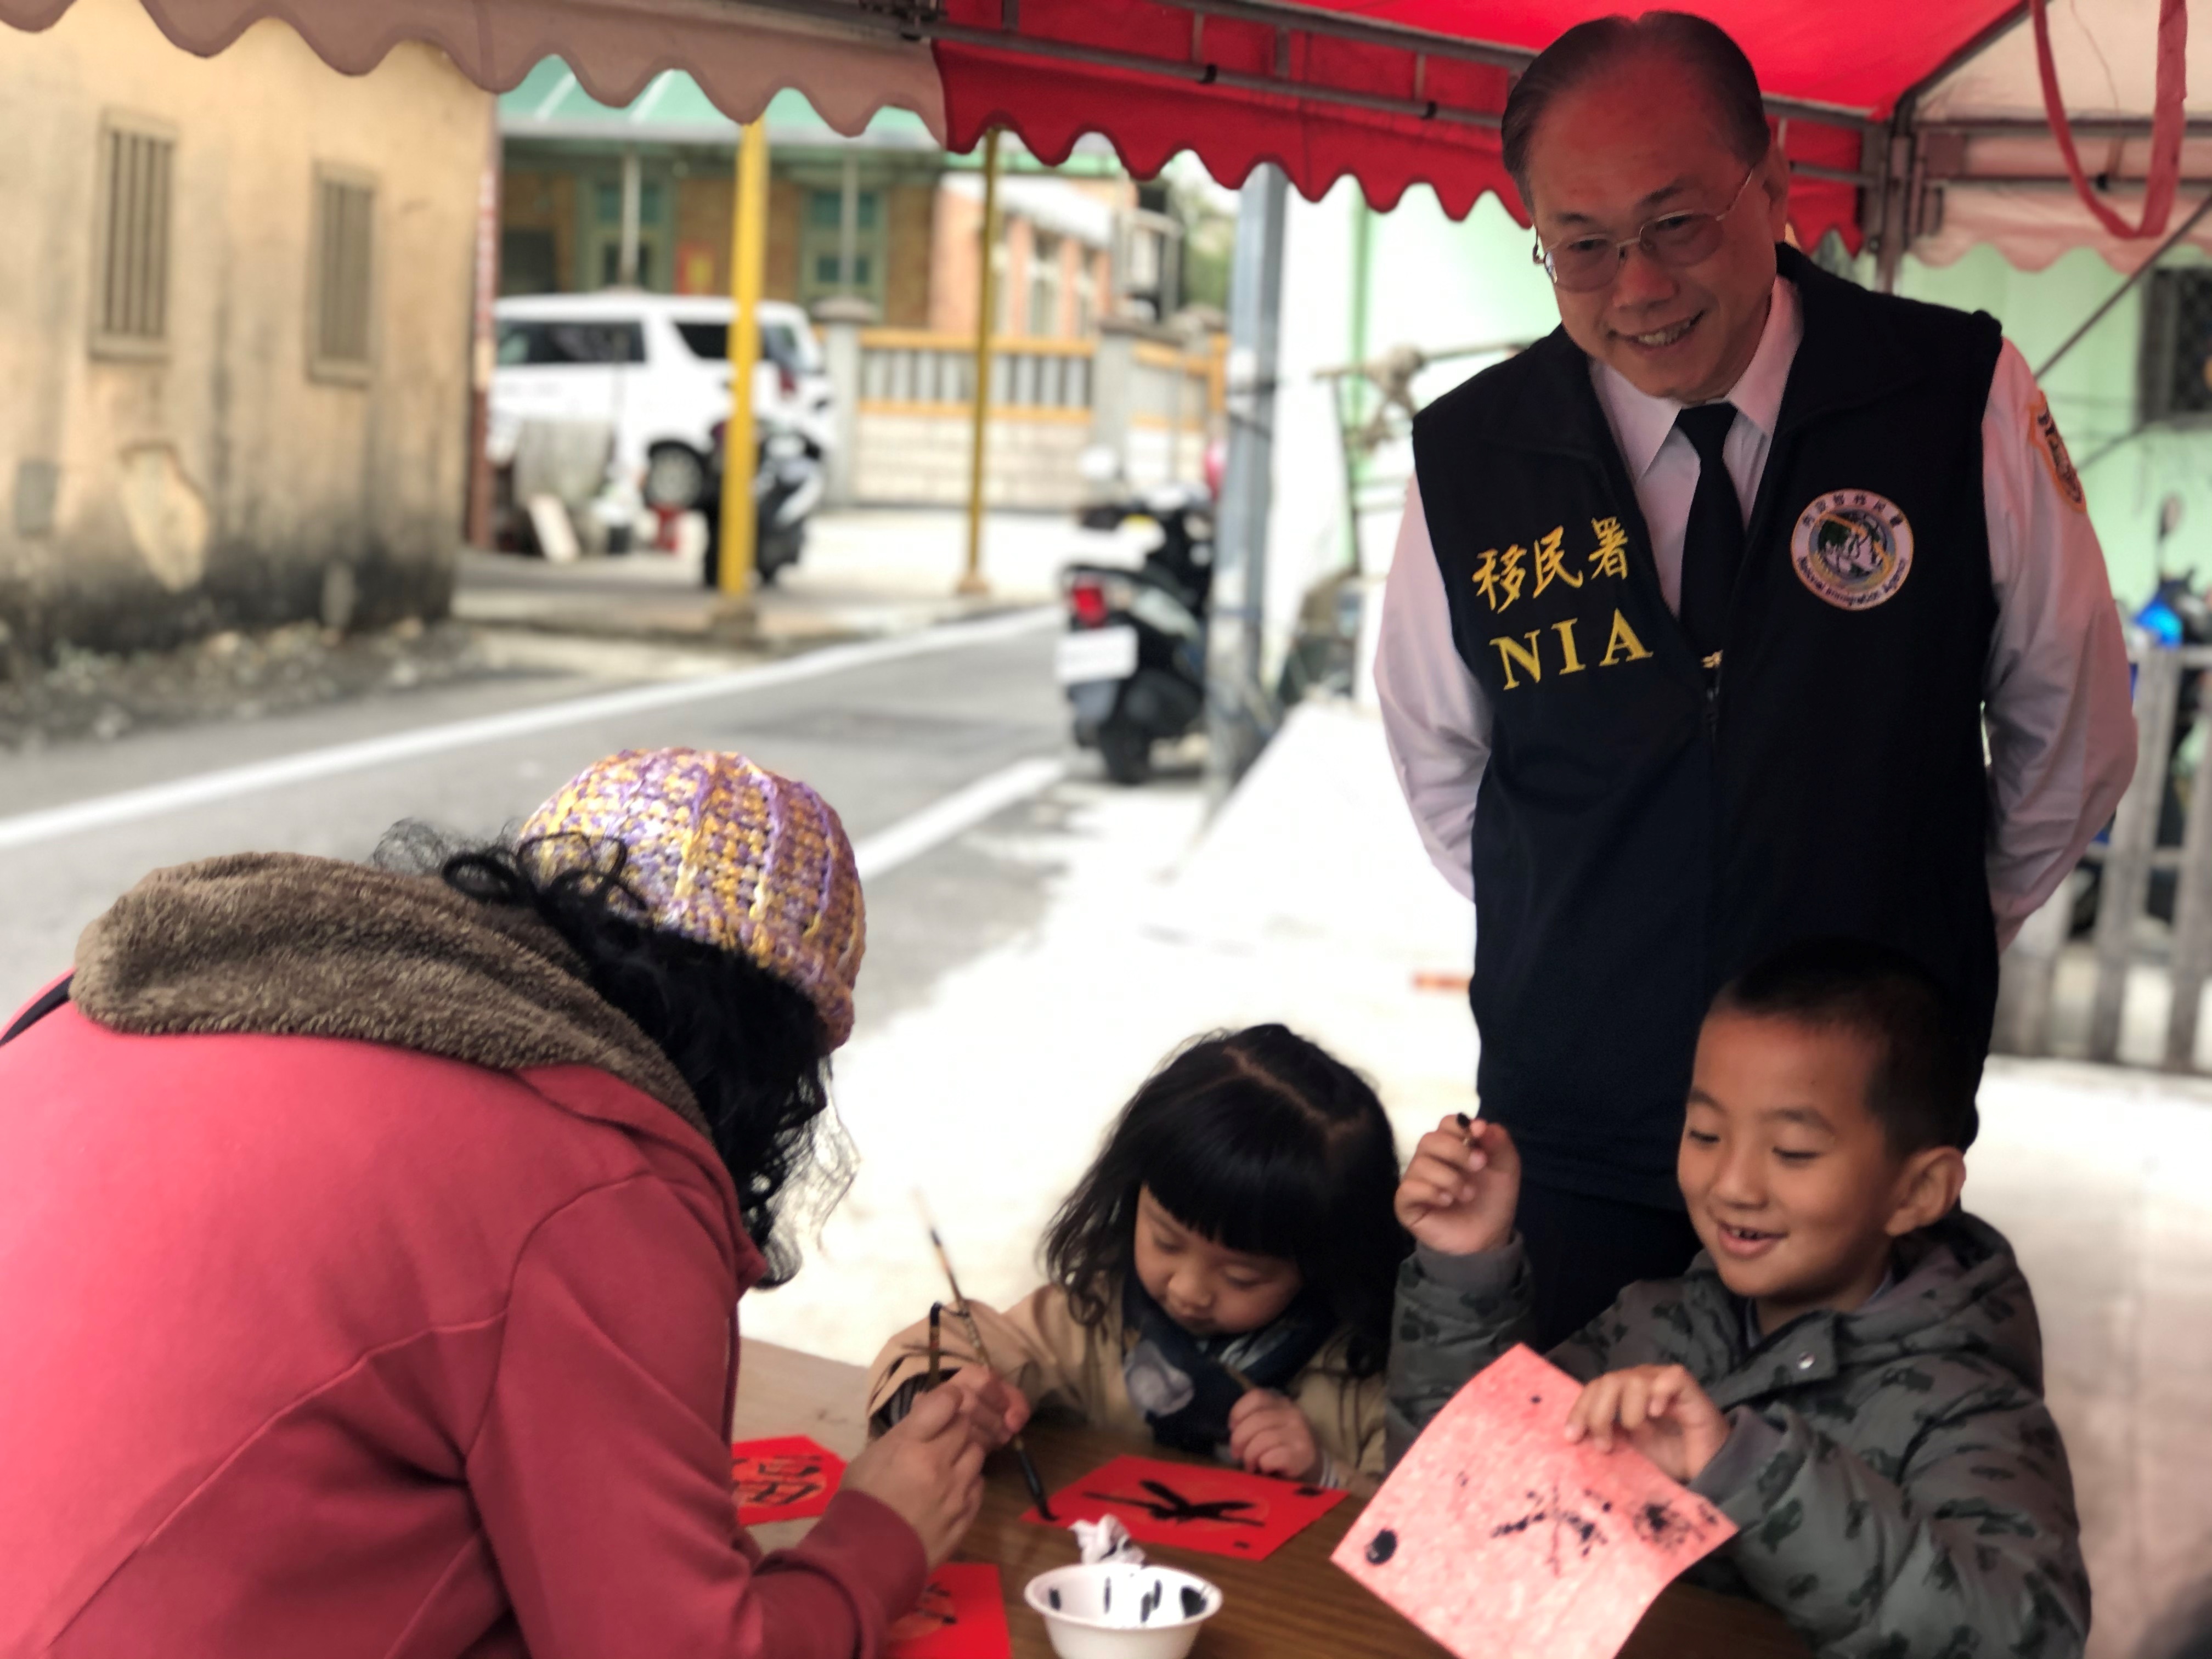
(2043, 432)
(1851, 547)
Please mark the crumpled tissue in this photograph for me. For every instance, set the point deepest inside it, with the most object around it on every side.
(1107, 1540)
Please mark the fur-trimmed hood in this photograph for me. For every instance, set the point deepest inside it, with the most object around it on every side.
(282, 944)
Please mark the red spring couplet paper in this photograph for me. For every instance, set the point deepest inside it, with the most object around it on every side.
(787, 1479)
(1495, 1535)
(1193, 1505)
(961, 1615)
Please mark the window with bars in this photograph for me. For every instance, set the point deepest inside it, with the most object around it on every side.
(130, 306)
(2176, 365)
(1044, 285)
(343, 278)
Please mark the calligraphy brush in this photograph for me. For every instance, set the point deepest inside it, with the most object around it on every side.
(1030, 1477)
(936, 1350)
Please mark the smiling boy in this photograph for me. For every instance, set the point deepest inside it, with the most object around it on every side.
(1852, 1369)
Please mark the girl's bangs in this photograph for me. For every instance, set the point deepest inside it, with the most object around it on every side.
(1248, 1177)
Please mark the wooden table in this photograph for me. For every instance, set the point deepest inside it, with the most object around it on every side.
(1294, 1605)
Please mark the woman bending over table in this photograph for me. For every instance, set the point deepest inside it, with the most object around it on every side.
(370, 1237)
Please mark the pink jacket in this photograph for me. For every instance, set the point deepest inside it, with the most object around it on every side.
(319, 1347)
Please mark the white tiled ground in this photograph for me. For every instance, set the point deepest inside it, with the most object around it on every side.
(2103, 1179)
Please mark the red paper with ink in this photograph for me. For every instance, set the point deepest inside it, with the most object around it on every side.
(787, 1478)
(1495, 1535)
(1194, 1505)
(961, 1615)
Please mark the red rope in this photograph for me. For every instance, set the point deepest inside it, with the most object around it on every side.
(2168, 120)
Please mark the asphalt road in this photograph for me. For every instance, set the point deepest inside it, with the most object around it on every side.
(914, 742)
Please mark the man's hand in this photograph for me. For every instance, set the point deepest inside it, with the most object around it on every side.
(1269, 1435)
(1460, 1191)
(928, 1469)
(993, 1407)
(1661, 1411)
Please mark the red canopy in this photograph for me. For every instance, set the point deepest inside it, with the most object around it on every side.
(1389, 92)
(1395, 92)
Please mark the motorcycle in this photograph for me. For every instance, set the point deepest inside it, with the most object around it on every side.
(2175, 616)
(787, 484)
(1133, 660)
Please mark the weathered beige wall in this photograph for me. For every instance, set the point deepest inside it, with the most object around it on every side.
(222, 486)
(914, 459)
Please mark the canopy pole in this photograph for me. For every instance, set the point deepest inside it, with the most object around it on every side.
(848, 221)
(740, 443)
(987, 297)
(1238, 717)
(633, 192)
(483, 344)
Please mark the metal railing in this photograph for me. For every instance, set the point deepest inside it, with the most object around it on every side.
(2128, 864)
(2134, 854)
(914, 371)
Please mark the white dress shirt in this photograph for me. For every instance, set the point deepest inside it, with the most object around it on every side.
(2062, 736)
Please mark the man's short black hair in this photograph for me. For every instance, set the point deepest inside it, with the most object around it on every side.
(1921, 1089)
(1716, 65)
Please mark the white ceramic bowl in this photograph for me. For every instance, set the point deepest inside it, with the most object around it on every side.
(1079, 1605)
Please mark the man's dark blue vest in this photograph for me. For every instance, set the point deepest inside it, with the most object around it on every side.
(1646, 830)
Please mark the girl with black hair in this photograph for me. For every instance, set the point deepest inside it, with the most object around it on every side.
(1220, 1277)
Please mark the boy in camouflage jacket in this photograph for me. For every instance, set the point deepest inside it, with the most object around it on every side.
(1851, 1369)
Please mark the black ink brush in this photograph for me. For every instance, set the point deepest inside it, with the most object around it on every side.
(1030, 1477)
(936, 1349)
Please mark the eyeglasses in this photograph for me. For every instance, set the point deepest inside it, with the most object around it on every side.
(1586, 264)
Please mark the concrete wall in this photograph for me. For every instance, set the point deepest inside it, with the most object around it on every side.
(909, 233)
(1355, 283)
(535, 200)
(2092, 395)
(953, 231)
(953, 273)
(220, 484)
(702, 233)
(786, 208)
(921, 459)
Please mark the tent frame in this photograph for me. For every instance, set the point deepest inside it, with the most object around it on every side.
(921, 20)
(1905, 160)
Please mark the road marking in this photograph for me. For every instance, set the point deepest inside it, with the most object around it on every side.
(963, 810)
(101, 811)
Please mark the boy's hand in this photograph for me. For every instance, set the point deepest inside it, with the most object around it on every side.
(994, 1409)
(1269, 1435)
(1661, 1411)
(1459, 1193)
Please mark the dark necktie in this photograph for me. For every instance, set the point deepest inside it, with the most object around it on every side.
(1712, 542)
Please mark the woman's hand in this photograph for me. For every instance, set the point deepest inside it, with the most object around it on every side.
(928, 1469)
(1459, 1193)
(1269, 1435)
(1661, 1411)
(995, 1408)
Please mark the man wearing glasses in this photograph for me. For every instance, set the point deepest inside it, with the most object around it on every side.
(1699, 609)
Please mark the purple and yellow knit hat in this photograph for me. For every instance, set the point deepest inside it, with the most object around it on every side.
(731, 855)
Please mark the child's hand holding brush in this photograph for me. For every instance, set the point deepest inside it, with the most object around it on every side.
(995, 1408)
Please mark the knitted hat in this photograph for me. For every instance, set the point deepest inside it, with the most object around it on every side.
(731, 855)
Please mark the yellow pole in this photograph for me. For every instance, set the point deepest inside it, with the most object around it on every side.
(971, 580)
(740, 444)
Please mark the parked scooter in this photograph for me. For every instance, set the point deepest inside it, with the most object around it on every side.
(787, 484)
(2175, 616)
(1133, 658)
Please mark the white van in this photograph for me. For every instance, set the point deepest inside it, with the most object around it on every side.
(656, 366)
